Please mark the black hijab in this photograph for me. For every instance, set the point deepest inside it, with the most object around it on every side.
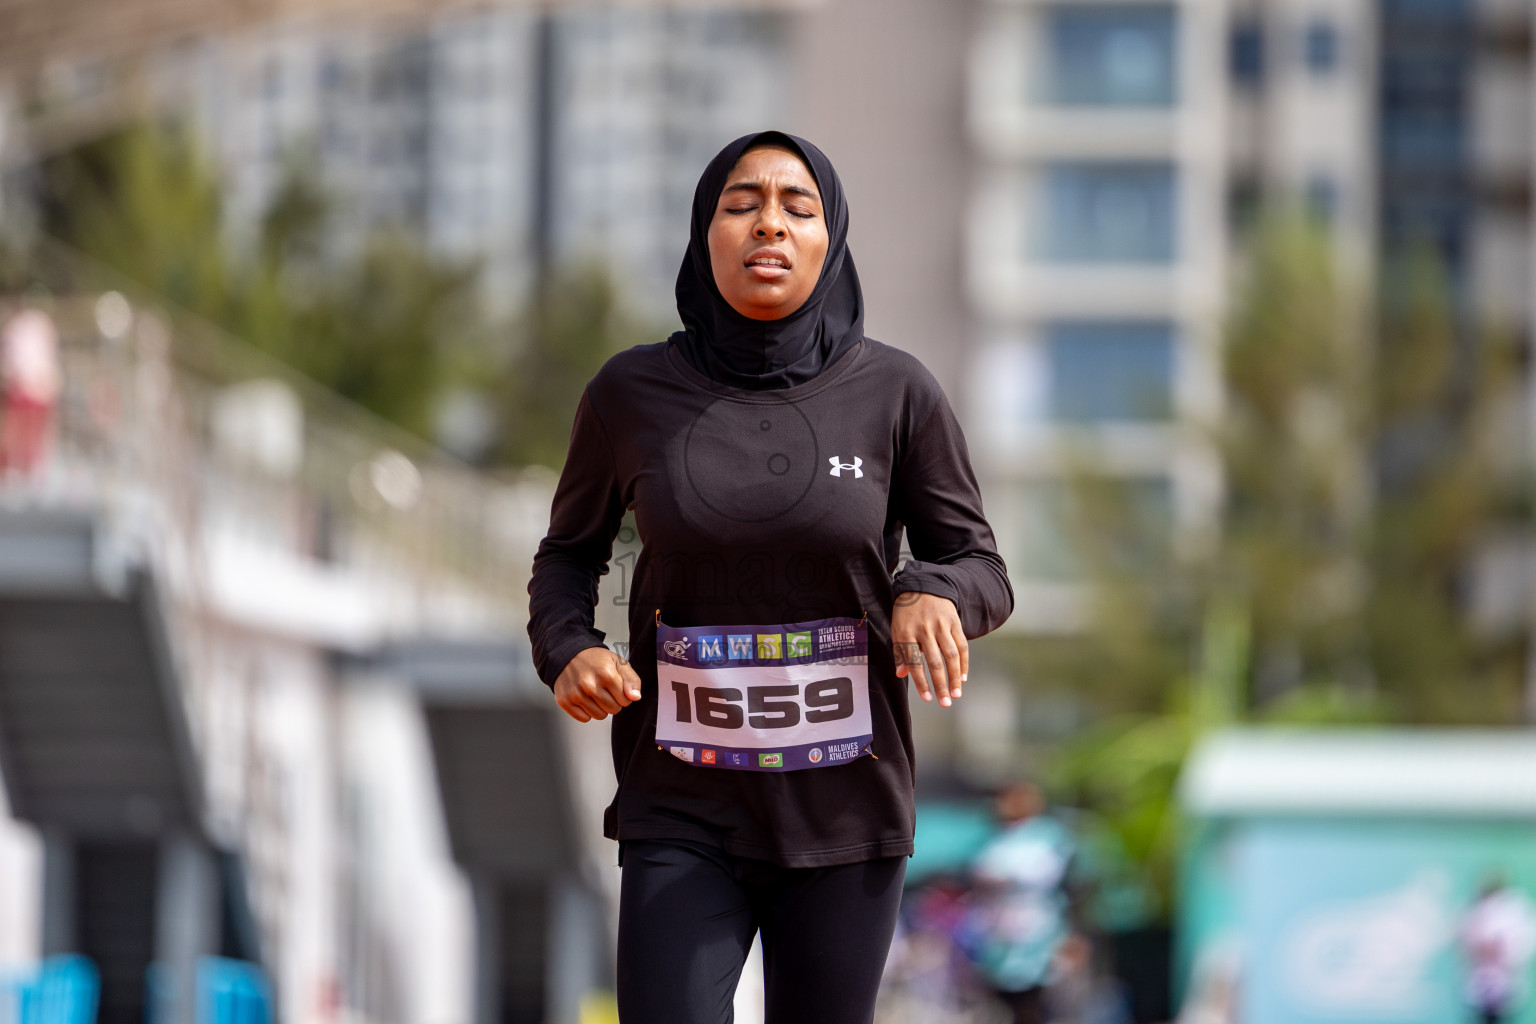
(745, 353)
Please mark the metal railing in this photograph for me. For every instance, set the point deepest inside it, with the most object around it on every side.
(185, 439)
(160, 407)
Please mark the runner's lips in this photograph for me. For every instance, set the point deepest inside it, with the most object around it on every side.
(769, 254)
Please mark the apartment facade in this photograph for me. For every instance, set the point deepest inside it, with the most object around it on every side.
(1096, 254)
(529, 140)
(1121, 149)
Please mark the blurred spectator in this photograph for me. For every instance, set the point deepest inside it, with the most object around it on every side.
(928, 977)
(1498, 936)
(1022, 933)
(29, 386)
(1216, 988)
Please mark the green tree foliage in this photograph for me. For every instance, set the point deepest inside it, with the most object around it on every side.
(376, 325)
(142, 202)
(574, 325)
(384, 324)
(1357, 448)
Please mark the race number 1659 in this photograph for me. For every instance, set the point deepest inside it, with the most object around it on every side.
(780, 706)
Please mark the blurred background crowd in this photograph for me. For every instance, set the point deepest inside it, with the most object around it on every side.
(1234, 300)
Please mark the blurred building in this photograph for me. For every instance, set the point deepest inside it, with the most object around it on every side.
(1097, 248)
(1050, 198)
(526, 139)
(1108, 159)
(262, 700)
(1124, 149)
(641, 100)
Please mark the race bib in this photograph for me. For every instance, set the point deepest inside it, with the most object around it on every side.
(764, 698)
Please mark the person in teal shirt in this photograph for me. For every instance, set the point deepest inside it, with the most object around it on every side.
(1022, 904)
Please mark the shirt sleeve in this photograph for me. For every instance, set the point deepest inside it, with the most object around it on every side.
(953, 549)
(583, 520)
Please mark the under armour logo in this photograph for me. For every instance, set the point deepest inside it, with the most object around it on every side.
(838, 465)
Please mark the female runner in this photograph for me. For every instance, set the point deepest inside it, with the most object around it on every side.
(772, 455)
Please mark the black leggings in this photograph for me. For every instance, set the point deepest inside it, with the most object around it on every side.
(688, 912)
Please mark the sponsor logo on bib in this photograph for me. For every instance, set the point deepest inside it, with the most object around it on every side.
(770, 761)
(815, 755)
(676, 648)
(740, 646)
(711, 648)
(770, 645)
(707, 756)
(683, 753)
(799, 644)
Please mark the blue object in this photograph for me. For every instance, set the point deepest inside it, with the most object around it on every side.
(1247, 53)
(1119, 212)
(232, 992)
(65, 991)
(1110, 371)
(1114, 55)
(1322, 47)
(949, 835)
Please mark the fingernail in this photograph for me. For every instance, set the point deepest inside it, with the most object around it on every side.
(955, 694)
(634, 694)
(927, 696)
(944, 702)
(964, 676)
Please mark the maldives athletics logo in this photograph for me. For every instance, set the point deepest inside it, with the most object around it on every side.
(815, 755)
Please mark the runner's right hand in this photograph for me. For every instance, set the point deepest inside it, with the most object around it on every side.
(596, 683)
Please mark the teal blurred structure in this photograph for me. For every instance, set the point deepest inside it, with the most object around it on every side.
(232, 992)
(949, 836)
(1327, 875)
(65, 990)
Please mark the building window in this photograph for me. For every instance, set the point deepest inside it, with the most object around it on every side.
(1109, 371)
(1069, 527)
(1245, 203)
(1247, 53)
(1424, 137)
(1109, 213)
(1323, 198)
(333, 74)
(1321, 44)
(1113, 55)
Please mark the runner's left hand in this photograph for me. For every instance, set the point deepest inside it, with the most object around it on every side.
(930, 644)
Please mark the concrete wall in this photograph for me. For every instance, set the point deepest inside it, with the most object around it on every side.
(879, 85)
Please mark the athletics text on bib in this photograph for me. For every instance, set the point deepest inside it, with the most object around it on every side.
(764, 698)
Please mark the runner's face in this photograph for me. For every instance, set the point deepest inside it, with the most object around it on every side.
(768, 237)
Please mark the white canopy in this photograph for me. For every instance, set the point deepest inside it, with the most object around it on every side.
(1397, 772)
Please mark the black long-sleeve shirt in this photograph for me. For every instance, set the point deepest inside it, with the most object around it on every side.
(765, 507)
